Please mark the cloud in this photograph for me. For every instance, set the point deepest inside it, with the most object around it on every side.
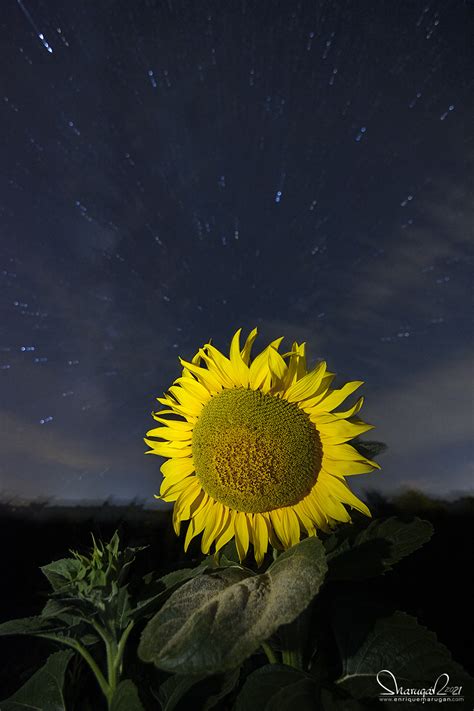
(427, 421)
(22, 440)
(402, 278)
(429, 409)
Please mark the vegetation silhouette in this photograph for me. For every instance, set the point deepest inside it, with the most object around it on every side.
(433, 584)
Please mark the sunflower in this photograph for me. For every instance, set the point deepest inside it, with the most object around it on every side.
(255, 449)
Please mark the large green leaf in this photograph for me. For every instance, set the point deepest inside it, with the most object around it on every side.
(214, 622)
(355, 555)
(277, 687)
(44, 690)
(397, 643)
(126, 697)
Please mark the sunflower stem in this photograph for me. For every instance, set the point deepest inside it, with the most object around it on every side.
(293, 638)
(78, 647)
(271, 656)
(293, 658)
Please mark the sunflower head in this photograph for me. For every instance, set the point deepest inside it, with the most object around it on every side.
(256, 449)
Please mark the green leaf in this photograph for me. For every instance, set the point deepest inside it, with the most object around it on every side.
(83, 606)
(122, 608)
(64, 629)
(75, 626)
(218, 687)
(331, 701)
(95, 577)
(127, 561)
(61, 572)
(229, 554)
(356, 555)
(126, 697)
(155, 592)
(31, 625)
(177, 577)
(206, 691)
(214, 622)
(44, 690)
(174, 689)
(277, 687)
(369, 449)
(396, 642)
(55, 609)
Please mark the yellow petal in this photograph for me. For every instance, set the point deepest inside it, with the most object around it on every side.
(241, 370)
(296, 364)
(274, 541)
(169, 434)
(227, 532)
(259, 537)
(246, 350)
(173, 466)
(175, 483)
(186, 399)
(260, 376)
(352, 410)
(339, 489)
(178, 409)
(337, 396)
(163, 449)
(260, 373)
(321, 393)
(220, 365)
(346, 467)
(307, 385)
(170, 491)
(342, 431)
(278, 368)
(242, 537)
(213, 524)
(306, 521)
(187, 502)
(286, 526)
(195, 388)
(347, 452)
(210, 380)
(292, 524)
(310, 506)
(175, 424)
(331, 504)
(198, 522)
(226, 515)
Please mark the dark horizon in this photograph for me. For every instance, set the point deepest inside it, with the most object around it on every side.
(418, 496)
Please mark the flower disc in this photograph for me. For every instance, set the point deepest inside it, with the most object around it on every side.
(255, 452)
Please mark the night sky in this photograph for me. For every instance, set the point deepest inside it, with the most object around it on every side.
(172, 171)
